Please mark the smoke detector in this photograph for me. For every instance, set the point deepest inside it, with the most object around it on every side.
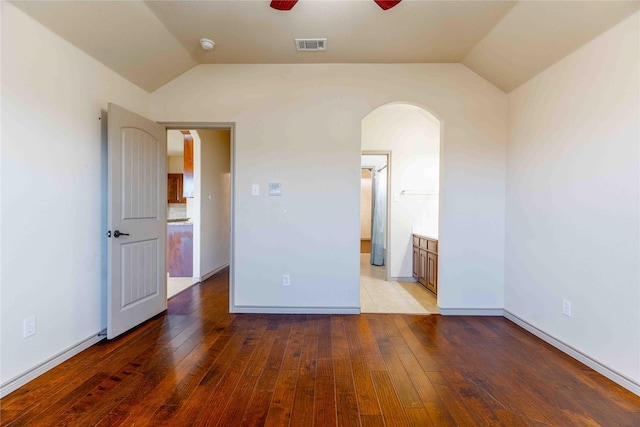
(207, 44)
(311, 44)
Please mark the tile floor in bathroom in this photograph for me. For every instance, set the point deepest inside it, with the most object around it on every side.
(379, 296)
(175, 285)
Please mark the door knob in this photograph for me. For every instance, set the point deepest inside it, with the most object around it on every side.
(117, 234)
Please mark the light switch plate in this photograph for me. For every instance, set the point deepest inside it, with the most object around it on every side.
(275, 189)
(566, 307)
(29, 326)
(255, 190)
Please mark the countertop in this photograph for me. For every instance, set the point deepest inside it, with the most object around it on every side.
(179, 221)
(433, 236)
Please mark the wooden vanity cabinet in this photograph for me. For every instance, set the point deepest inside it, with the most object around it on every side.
(416, 262)
(425, 262)
(432, 272)
(423, 268)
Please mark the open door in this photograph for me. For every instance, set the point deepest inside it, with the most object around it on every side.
(137, 177)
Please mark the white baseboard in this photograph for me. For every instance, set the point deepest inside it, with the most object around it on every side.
(209, 274)
(22, 379)
(471, 311)
(597, 366)
(295, 310)
(402, 279)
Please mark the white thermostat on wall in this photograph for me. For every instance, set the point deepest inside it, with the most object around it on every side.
(275, 189)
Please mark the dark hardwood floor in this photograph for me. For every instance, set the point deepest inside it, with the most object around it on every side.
(199, 365)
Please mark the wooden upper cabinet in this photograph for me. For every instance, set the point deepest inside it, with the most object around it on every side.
(188, 184)
(174, 188)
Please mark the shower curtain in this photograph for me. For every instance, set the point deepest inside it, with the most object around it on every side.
(379, 215)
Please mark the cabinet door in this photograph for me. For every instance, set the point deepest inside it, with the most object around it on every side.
(422, 271)
(174, 188)
(432, 272)
(416, 262)
(171, 190)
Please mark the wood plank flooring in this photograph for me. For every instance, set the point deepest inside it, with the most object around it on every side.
(198, 365)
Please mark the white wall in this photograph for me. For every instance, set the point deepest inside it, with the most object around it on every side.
(175, 164)
(300, 125)
(214, 192)
(53, 175)
(573, 200)
(413, 137)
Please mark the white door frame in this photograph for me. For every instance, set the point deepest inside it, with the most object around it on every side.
(387, 232)
(231, 126)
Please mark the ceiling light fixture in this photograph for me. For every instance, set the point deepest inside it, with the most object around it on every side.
(207, 44)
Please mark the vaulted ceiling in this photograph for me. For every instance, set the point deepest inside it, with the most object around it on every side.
(152, 42)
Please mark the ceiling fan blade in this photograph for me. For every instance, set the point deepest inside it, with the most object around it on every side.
(288, 4)
(283, 4)
(387, 4)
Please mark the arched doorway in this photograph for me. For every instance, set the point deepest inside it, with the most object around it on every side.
(408, 137)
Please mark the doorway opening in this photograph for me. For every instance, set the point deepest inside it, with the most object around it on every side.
(373, 208)
(199, 205)
(406, 139)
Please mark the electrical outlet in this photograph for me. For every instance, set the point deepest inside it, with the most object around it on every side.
(286, 280)
(566, 307)
(29, 326)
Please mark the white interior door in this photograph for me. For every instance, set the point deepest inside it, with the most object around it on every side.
(137, 280)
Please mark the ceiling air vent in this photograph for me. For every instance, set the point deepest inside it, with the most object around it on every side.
(311, 44)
